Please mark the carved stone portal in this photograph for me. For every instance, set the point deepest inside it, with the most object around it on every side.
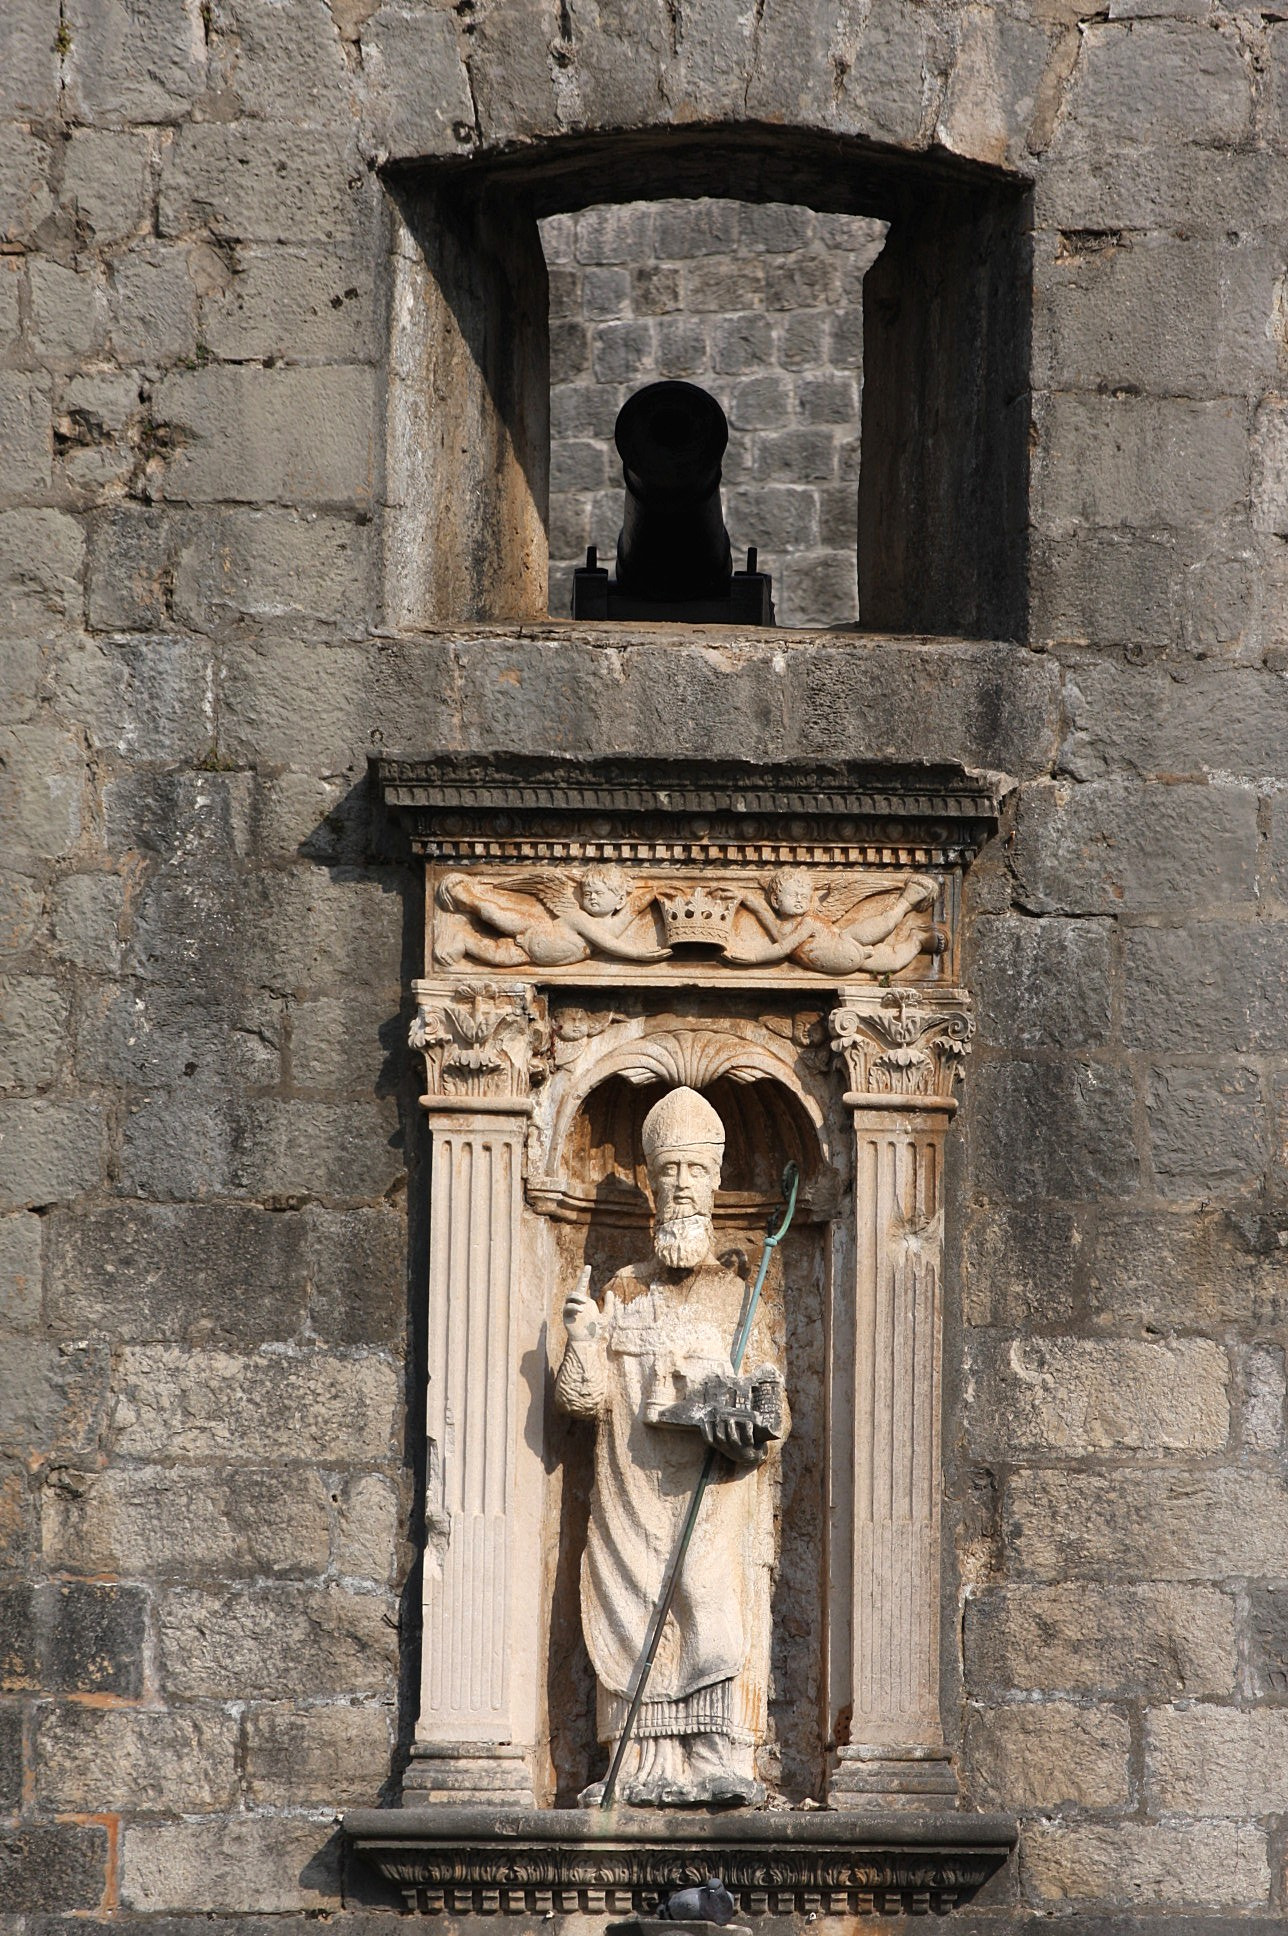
(784, 941)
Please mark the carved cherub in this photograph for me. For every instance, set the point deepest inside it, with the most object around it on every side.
(825, 933)
(548, 920)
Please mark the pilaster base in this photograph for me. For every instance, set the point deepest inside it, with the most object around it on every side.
(880, 1776)
(467, 1774)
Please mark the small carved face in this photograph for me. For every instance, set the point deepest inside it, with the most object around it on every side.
(684, 1182)
(791, 892)
(603, 893)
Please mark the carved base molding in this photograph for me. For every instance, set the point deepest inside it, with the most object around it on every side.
(566, 1861)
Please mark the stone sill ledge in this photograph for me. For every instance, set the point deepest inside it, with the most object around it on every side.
(487, 1861)
(581, 631)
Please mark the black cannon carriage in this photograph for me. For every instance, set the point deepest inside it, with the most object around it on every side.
(673, 554)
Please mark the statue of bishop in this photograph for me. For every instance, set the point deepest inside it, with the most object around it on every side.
(653, 1367)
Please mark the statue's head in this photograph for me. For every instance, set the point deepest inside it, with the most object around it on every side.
(602, 890)
(791, 891)
(683, 1148)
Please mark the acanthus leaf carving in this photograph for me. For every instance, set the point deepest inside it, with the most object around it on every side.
(481, 1039)
(902, 1046)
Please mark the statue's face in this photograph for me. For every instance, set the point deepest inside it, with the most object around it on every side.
(599, 896)
(792, 894)
(684, 1183)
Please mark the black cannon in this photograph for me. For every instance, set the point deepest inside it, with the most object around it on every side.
(673, 556)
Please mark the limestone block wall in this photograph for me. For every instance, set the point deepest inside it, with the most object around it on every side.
(211, 1218)
(762, 304)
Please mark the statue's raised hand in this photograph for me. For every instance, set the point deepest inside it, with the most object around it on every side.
(580, 1311)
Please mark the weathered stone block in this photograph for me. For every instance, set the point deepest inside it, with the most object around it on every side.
(205, 1272)
(25, 200)
(105, 177)
(1020, 1267)
(130, 567)
(1264, 1390)
(20, 1241)
(87, 911)
(240, 183)
(65, 309)
(1161, 315)
(1048, 1755)
(327, 1756)
(49, 1151)
(178, 1403)
(266, 564)
(287, 1151)
(151, 1522)
(1155, 81)
(1052, 1129)
(1080, 1397)
(200, 821)
(418, 98)
(1042, 984)
(1206, 1863)
(285, 435)
(1212, 985)
(1209, 1131)
(10, 1758)
(52, 1866)
(347, 1044)
(33, 1031)
(294, 302)
(144, 698)
(357, 1267)
(1141, 461)
(276, 1643)
(258, 1863)
(26, 432)
(51, 1396)
(1152, 1522)
(90, 1760)
(1186, 1268)
(42, 786)
(1149, 719)
(1111, 586)
(41, 558)
(1116, 1642)
(1100, 849)
(152, 304)
(150, 1036)
(121, 66)
(90, 1637)
(368, 1528)
(1217, 1760)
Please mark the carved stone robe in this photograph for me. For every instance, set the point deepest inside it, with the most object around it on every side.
(660, 1335)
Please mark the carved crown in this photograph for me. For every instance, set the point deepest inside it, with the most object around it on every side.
(698, 914)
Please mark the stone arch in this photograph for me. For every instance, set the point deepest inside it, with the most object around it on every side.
(704, 1054)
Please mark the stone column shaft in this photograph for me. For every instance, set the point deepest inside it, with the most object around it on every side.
(478, 1042)
(902, 1060)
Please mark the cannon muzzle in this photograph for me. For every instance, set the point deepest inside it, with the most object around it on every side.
(673, 544)
(673, 555)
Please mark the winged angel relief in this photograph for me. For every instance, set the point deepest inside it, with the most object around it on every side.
(555, 919)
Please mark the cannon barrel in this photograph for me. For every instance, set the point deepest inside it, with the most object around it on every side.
(673, 544)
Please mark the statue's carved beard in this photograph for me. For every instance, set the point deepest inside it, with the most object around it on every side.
(682, 1242)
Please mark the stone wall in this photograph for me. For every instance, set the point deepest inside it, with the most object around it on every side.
(763, 306)
(213, 1167)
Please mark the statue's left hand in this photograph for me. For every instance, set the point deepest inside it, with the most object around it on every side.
(732, 1430)
(580, 1311)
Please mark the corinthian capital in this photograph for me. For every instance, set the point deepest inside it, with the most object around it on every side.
(481, 1040)
(902, 1046)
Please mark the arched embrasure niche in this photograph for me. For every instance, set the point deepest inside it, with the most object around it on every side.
(770, 1092)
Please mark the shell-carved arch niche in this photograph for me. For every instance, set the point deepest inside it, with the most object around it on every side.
(785, 940)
